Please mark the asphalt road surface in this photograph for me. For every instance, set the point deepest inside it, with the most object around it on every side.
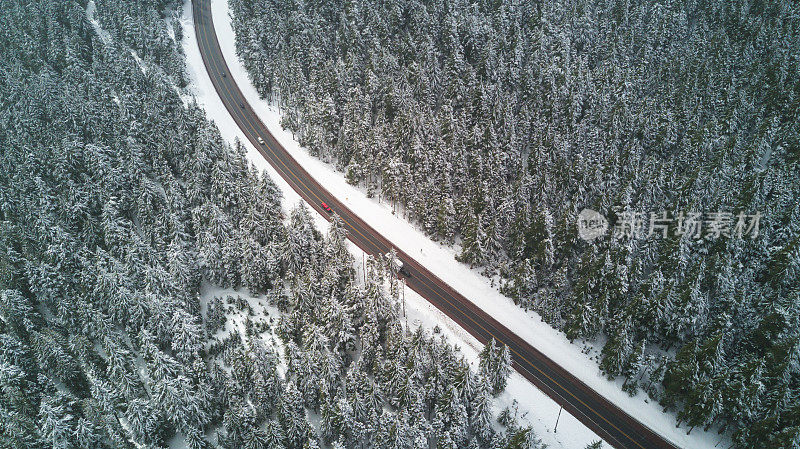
(612, 424)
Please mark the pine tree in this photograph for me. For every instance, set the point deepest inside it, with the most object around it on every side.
(292, 417)
(618, 349)
(472, 250)
(495, 366)
(481, 417)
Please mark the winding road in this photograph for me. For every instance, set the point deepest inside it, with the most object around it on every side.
(593, 410)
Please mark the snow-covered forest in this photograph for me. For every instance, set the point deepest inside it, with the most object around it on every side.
(492, 124)
(121, 208)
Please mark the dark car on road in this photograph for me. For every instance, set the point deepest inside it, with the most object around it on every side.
(398, 265)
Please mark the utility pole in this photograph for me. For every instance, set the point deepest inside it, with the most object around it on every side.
(404, 297)
(404, 303)
(555, 429)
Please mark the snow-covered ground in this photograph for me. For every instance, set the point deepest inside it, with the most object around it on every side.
(91, 8)
(440, 260)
